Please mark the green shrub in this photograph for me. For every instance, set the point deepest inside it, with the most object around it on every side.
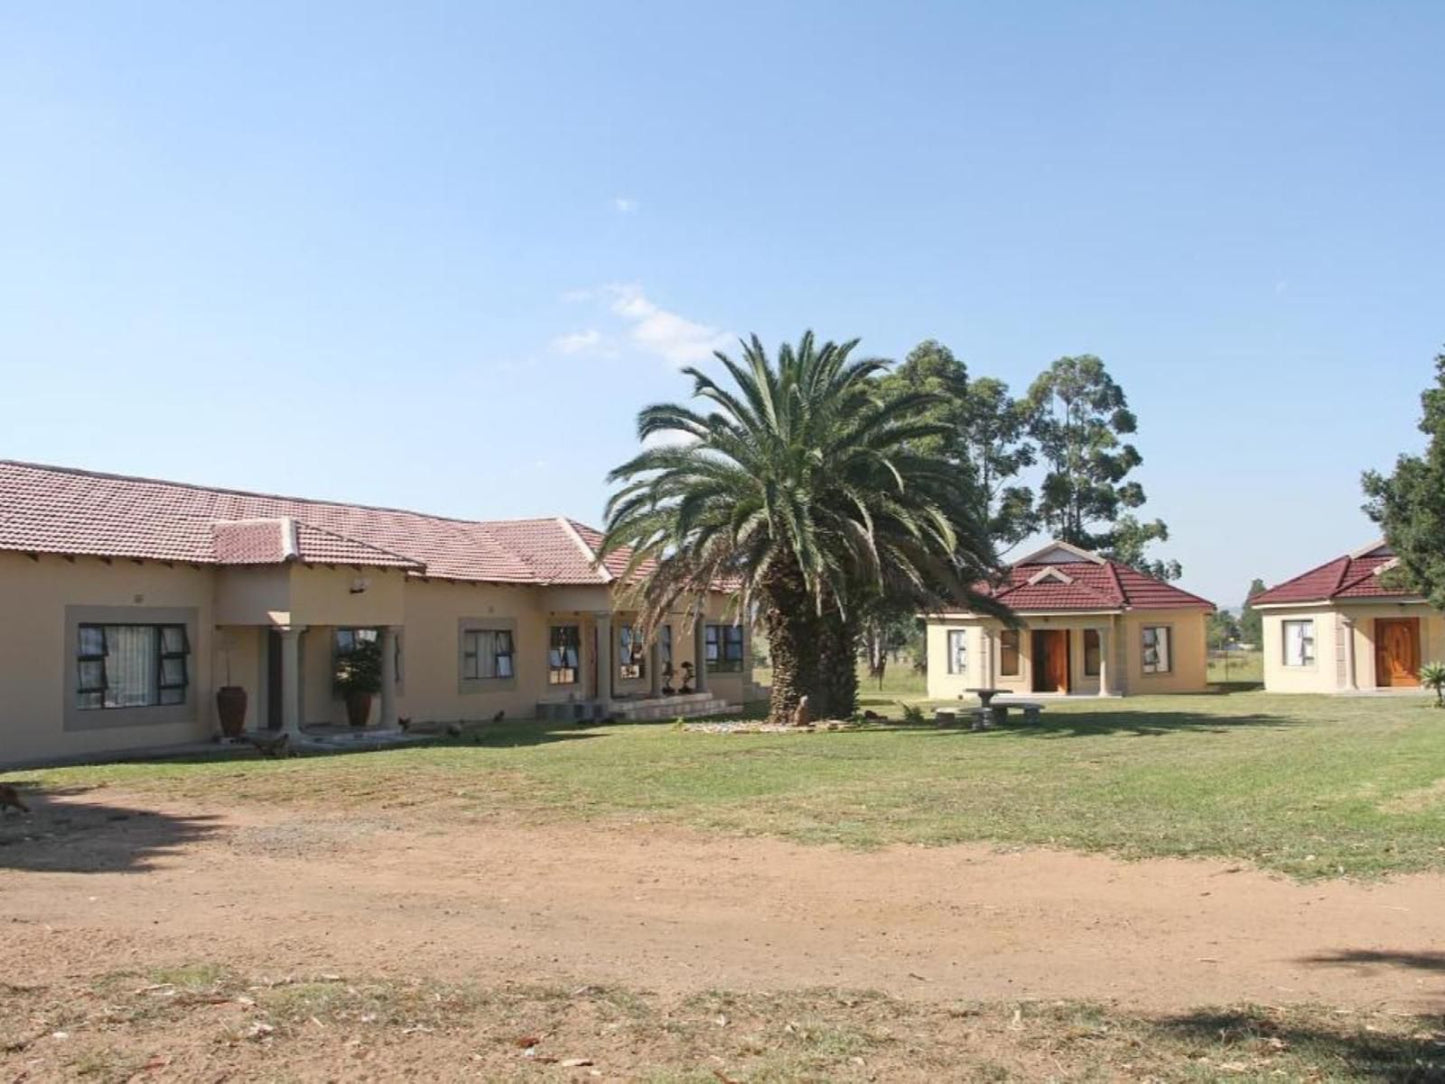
(1432, 676)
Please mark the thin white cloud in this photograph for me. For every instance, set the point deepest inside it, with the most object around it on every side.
(578, 342)
(666, 334)
(624, 205)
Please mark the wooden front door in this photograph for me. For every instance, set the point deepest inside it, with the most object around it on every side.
(1397, 651)
(1051, 660)
(273, 680)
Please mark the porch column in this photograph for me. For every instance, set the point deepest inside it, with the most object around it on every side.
(388, 676)
(699, 651)
(1348, 629)
(1105, 643)
(654, 662)
(291, 678)
(604, 658)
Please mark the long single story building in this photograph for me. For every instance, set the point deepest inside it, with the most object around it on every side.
(130, 602)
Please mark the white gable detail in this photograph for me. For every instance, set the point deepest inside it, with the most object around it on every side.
(1054, 574)
(1377, 548)
(1060, 553)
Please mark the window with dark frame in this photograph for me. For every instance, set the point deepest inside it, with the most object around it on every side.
(664, 646)
(131, 666)
(631, 653)
(487, 654)
(1157, 658)
(723, 649)
(1008, 653)
(564, 653)
(1091, 652)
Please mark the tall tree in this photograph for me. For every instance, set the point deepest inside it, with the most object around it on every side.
(1078, 416)
(987, 433)
(1410, 503)
(804, 486)
(1132, 537)
(1251, 621)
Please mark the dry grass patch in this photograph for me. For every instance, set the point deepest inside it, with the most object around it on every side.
(204, 1021)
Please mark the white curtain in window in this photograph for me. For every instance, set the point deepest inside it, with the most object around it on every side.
(957, 651)
(131, 666)
(1298, 643)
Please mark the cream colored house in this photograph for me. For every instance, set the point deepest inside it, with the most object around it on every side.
(1088, 626)
(1343, 627)
(130, 601)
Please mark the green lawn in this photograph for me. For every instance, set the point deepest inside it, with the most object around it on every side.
(1312, 786)
(1236, 667)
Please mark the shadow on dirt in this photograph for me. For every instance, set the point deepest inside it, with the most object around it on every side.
(61, 836)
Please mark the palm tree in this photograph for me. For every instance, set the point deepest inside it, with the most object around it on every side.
(800, 488)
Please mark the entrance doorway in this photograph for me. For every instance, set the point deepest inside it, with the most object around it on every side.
(273, 680)
(1051, 660)
(1397, 651)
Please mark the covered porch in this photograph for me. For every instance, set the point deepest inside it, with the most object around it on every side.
(601, 666)
(289, 674)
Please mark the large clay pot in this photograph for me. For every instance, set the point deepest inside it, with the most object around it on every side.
(358, 708)
(231, 707)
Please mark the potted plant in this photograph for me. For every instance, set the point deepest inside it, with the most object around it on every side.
(231, 702)
(686, 678)
(1432, 676)
(667, 673)
(358, 679)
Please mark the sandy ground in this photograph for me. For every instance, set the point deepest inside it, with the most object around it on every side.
(98, 881)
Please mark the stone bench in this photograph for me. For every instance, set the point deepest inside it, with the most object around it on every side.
(1031, 711)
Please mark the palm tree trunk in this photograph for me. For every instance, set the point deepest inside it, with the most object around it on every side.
(838, 666)
(792, 626)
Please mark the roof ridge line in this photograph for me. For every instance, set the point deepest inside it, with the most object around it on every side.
(593, 560)
(233, 492)
(295, 548)
(1124, 599)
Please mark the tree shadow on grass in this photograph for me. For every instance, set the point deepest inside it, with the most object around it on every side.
(1336, 1047)
(1146, 724)
(59, 836)
(1087, 724)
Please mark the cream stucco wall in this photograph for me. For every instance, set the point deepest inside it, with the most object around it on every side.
(35, 650)
(228, 613)
(1330, 670)
(1121, 640)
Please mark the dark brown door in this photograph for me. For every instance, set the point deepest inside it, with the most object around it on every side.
(1051, 660)
(1397, 651)
(273, 680)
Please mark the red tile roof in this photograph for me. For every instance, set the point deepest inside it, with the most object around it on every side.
(73, 512)
(1353, 576)
(1090, 583)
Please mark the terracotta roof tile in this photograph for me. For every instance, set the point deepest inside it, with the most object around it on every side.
(63, 511)
(1084, 585)
(1349, 576)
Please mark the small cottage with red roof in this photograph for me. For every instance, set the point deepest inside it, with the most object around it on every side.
(132, 602)
(1347, 625)
(1087, 625)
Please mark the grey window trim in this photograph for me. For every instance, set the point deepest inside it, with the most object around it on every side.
(76, 718)
(471, 686)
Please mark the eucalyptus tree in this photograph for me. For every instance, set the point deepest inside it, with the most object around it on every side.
(809, 492)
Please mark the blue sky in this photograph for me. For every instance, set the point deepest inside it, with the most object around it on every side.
(438, 255)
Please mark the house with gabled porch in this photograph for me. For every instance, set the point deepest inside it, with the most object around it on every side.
(1084, 625)
(1348, 626)
(131, 601)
